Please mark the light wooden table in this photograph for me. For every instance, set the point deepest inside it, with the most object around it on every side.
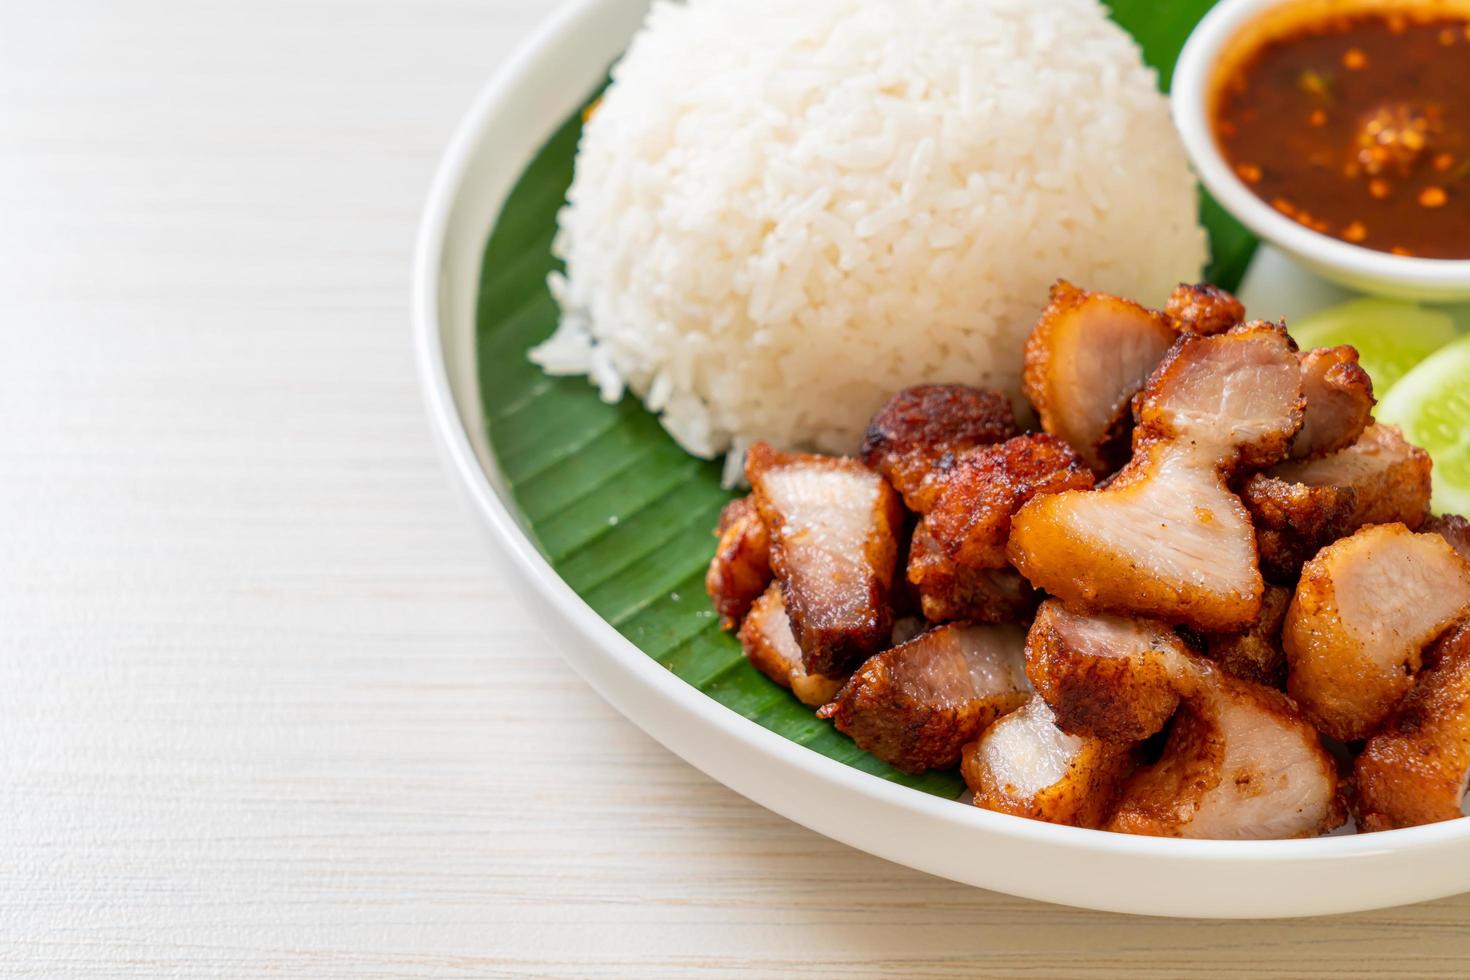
(264, 708)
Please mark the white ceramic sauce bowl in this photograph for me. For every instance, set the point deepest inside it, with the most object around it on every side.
(1350, 265)
(516, 112)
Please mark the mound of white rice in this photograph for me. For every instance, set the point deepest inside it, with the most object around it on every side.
(786, 210)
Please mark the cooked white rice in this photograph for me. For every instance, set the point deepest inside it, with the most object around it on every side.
(784, 212)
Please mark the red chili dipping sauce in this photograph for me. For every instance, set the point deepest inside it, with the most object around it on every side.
(1357, 125)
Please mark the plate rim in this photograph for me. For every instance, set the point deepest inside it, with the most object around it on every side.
(592, 638)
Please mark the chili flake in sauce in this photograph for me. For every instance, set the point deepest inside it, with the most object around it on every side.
(1358, 126)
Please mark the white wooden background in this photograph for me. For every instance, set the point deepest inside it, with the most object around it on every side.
(264, 708)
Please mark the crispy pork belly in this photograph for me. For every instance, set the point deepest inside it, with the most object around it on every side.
(1454, 529)
(971, 515)
(1026, 766)
(957, 560)
(922, 428)
(1301, 507)
(1240, 763)
(1236, 396)
(918, 704)
(1339, 397)
(766, 638)
(741, 568)
(1106, 676)
(949, 591)
(1364, 610)
(1164, 540)
(1203, 309)
(834, 528)
(1414, 770)
(1388, 474)
(1085, 359)
(1255, 655)
(1294, 521)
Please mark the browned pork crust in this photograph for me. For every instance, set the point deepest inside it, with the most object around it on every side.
(1087, 356)
(1294, 521)
(1388, 475)
(834, 528)
(1204, 309)
(766, 638)
(1364, 611)
(741, 568)
(950, 591)
(1106, 676)
(1301, 507)
(971, 516)
(1161, 800)
(1026, 766)
(1340, 401)
(1413, 771)
(922, 428)
(916, 705)
(1255, 655)
(1240, 763)
(957, 560)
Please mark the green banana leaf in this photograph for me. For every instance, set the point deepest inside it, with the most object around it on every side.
(623, 514)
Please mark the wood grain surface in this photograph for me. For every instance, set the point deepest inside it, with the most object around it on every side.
(264, 707)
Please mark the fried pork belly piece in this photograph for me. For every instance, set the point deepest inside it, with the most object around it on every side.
(921, 428)
(766, 638)
(1364, 611)
(1240, 763)
(1203, 309)
(1106, 676)
(1340, 401)
(1414, 770)
(1454, 529)
(1165, 538)
(1388, 474)
(741, 568)
(957, 561)
(1026, 766)
(917, 704)
(1294, 521)
(1085, 359)
(949, 591)
(1255, 655)
(971, 515)
(1237, 396)
(1301, 507)
(834, 528)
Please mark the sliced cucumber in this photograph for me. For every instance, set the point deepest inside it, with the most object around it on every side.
(1431, 403)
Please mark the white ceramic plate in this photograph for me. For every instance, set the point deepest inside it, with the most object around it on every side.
(517, 111)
